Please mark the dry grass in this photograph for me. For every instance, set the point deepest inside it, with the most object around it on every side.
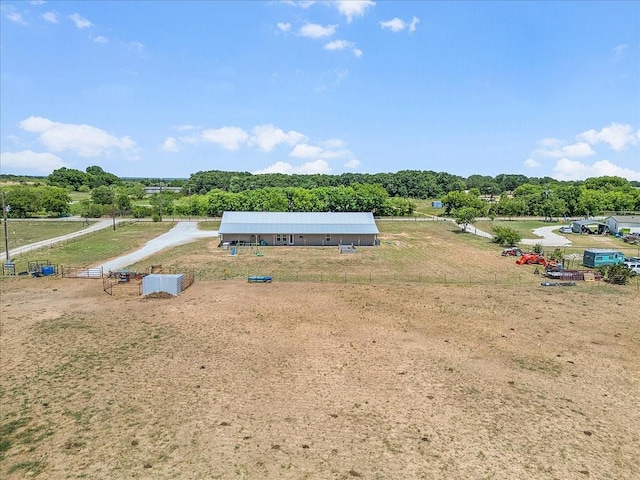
(293, 380)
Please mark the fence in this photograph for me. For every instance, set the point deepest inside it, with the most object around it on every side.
(130, 283)
(344, 277)
(76, 237)
(81, 272)
(116, 286)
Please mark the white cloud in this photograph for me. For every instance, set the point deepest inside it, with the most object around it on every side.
(37, 2)
(353, 8)
(566, 169)
(616, 135)
(550, 142)
(303, 150)
(531, 163)
(581, 149)
(136, 45)
(169, 145)
(413, 25)
(12, 14)
(343, 45)
(230, 138)
(51, 17)
(80, 21)
(266, 137)
(184, 128)
(619, 50)
(36, 162)
(300, 3)
(284, 26)
(313, 30)
(100, 39)
(333, 143)
(395, 24)
(84, 140)
(352, 164)
(318, 166)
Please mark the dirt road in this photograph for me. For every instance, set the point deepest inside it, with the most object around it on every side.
(183, 232)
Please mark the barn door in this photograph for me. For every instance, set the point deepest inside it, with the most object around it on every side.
(291, 239)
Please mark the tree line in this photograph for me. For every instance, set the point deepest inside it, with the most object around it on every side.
(575, 199)
(385, 194)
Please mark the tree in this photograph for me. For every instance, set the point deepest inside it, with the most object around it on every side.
(102, 195)
(505, 236)
(23, 200)
(68, 177)
(123, 202)
(465, 216)
(55, 201)
(617, 274)
(453, 201)
(511, 207)
(98, 177)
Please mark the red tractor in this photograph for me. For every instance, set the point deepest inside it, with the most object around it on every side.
(535, 259)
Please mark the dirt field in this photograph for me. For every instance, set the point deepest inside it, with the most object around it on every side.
(320, 381)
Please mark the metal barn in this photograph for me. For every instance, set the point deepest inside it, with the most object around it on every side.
(623, 224)
(299, 228)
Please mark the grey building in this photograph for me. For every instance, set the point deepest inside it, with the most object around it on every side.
(299, 228)
(589, 225)
(623, 224)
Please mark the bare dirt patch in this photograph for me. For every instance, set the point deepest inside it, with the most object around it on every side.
(309, 380)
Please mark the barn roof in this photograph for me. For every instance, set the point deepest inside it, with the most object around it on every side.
(298, 222)
(626, 218)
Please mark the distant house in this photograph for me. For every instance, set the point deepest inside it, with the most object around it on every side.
(623, 224)
(154, 190)
(299, 228)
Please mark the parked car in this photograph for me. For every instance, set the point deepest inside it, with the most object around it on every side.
(633, 266)
(565, 229)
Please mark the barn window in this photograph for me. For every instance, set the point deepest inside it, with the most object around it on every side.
(328, 239)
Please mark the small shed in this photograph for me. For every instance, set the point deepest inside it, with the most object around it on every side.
(163, 283)
(436, 204)
(623, 224)
(598, 257)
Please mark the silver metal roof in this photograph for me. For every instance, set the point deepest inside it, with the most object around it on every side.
(298, 222)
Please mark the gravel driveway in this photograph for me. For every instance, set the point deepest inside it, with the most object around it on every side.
(183, 232)
(548, 238)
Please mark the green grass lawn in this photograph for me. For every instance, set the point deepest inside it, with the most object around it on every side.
(79, 196)
(24, 232)
(96, 247)
(410, 250)
(209, 225)
(523, 226)
(423, 207)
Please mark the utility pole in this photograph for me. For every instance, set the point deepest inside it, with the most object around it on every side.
(6, 231)
(160, 202)
(113, 206)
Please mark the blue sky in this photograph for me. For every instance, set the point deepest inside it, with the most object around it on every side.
(167, 89)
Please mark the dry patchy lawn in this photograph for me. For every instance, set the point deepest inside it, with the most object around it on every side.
(319, 381)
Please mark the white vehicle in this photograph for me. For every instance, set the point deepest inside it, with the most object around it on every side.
(633, 266)
(565, 229)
